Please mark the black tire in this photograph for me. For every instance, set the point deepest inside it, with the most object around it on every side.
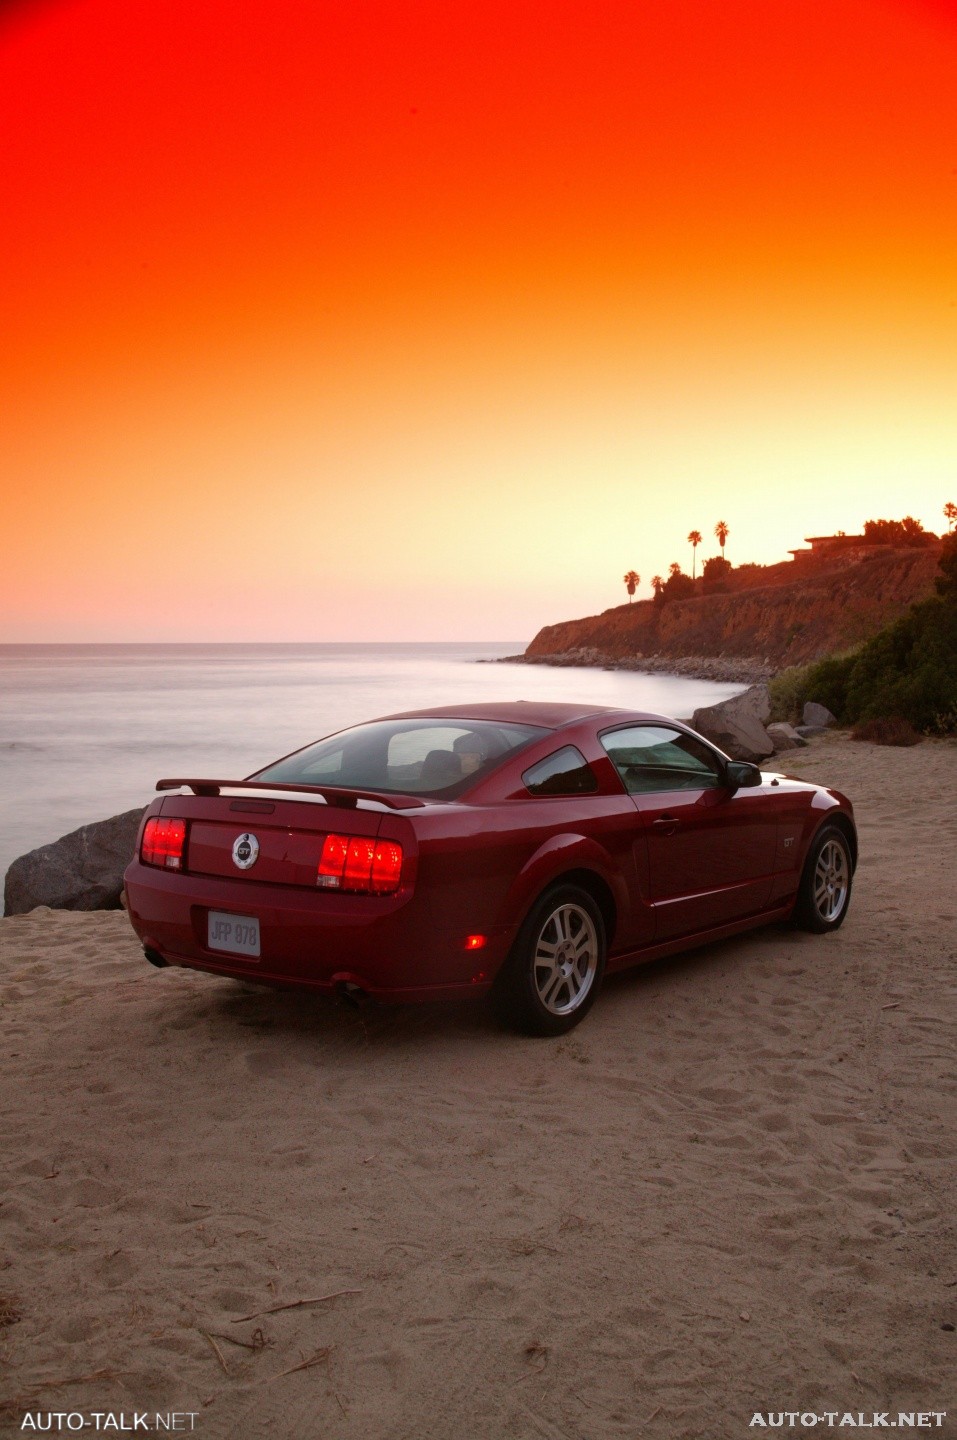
(825, 890)
(552, 975)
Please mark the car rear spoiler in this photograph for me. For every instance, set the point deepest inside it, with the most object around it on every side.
(332, 794)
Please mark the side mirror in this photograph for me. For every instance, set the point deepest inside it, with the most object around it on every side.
(741, 775)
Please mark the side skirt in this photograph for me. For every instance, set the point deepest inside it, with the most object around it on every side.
(702, 937)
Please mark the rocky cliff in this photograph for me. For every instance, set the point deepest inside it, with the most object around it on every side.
(785, 614)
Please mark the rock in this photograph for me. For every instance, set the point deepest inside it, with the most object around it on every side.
(808, 732)
(736, 726)
(815, 714)
(80, 871)
(785, 737)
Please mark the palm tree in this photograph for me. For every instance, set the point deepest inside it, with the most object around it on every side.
(694, 540)
(721, 530)
(950, 514)
(674, 568)
(657, 584)
(632, 581)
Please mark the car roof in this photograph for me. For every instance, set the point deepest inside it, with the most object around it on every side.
(549, 714)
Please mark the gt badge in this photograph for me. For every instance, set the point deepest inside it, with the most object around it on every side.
(245, 851)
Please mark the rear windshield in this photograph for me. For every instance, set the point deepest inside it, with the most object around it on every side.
(412, 757)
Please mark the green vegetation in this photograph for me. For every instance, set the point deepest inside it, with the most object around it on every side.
(789, 691)
(907, 671)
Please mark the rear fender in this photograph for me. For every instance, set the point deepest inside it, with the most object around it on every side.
(558, 855)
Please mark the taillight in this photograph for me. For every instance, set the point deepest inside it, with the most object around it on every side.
(365, 867)
(163, 843)
(386, 866)
(358, 869)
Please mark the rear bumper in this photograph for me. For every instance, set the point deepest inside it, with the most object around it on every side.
(388, 946)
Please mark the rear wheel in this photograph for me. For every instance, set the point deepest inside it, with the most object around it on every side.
(825, 891)
(550, 980)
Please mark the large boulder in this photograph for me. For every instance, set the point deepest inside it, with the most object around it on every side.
(736, 726)
(815, 714)
(80, 871)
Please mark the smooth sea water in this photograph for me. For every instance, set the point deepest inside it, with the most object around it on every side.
(87, 730)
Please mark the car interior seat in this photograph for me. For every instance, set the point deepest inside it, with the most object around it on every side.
(440, 768)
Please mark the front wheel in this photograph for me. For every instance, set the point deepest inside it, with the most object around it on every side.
(550, 980)
(825, 891)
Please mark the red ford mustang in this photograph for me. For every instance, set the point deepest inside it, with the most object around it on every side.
(521, 850)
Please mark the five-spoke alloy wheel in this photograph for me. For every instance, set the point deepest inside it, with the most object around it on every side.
(552, 975)
(826, 882)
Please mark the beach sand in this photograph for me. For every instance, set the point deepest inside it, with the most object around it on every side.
(730, 1191)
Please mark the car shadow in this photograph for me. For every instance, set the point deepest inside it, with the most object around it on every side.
(237, 1009)
(736, 949)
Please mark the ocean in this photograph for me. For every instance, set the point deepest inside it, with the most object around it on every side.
(87, 730)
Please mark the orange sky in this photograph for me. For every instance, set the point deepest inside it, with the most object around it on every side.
(398, 319)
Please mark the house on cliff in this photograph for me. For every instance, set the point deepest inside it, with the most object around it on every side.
(825, 548)
(885, 538)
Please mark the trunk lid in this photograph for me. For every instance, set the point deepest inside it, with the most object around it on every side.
(276, 842)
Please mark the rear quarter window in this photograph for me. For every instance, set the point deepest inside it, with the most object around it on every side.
(567, 772)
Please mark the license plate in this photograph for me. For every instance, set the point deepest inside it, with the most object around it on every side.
(236, 934)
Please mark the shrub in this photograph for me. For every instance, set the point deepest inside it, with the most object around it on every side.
(906, 673)
(896, 532)
(788, 691)
(678, 587)
(715, 574)
(908, 669)
(891, 730)
(827, 681)
(946, 582)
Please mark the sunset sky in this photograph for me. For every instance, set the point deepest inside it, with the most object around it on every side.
(398, 319)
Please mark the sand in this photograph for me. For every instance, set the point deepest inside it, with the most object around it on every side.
(730, 1191)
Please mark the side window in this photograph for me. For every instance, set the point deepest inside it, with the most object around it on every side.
(564, 773)
(652, 758)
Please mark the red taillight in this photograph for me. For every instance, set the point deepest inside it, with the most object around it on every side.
(332, 862)
(163, 843)
(358, 871)
(366, 867)
(386, 866)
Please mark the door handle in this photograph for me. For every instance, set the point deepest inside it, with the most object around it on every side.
(665, 825)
